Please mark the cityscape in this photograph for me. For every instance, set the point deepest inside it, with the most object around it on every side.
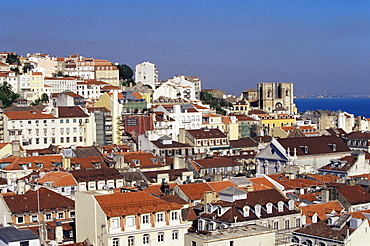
(98, 153)
(187, 123)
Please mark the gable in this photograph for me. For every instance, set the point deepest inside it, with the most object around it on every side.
(273, 151)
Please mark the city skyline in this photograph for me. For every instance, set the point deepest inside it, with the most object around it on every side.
(230, 45)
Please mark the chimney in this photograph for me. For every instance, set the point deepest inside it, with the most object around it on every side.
(66, 163)
(16, 148)
(209, 196)
(182, 137)
(59, 232)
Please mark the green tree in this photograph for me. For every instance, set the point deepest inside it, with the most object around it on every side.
(44, 97)
(125, 72)
(36, 102)
(7, 96)
(27, 67)
(15, 69)
(12, 58)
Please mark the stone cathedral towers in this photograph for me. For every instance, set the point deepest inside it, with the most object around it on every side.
(276, 97)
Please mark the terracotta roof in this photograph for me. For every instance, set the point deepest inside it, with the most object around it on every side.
(96, 174)
(92, 82)
(131, 203)
(358, 135)
(87, 162)
(216, 162)
(243, 143)
(324, 178)
(142, 159)
(261, 183)
(27, 115)
(220, 185)
(323, 230)
(173, 199)
(195, 191)
(58, 179)
(71, 112)
(28, 202)
(321, 209)
(355, 194)
(174, 144)
(156, 189)
(31, 162)
(315, 145)
(207, 133)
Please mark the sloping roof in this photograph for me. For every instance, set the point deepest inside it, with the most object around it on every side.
(232, 191)
(174, 144)
(28, 202)
(358, 135)
(243, 142)
(323, 230)
(89, 162)
(71, 112)
(131, 203)
(87, 151)
(96, 174)
(31, 162)
(221, 185)
(27, 115)
(173, 174)
(11, 234)
(143, 160)
(324, 178)
(355, 194)
(315, 145)
(216, 162)
(195, 191)
(207, 133)
(321, 209)
(58, 179)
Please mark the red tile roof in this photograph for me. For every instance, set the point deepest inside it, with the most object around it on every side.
(58, 179)
(27, 115)
(71, 112)
(131, 203)
(354, 194)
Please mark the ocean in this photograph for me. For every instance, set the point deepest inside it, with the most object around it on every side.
(356, 106)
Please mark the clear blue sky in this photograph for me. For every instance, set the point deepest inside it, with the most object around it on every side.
(231, 45)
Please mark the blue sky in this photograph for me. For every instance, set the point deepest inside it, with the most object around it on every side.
(230, 45)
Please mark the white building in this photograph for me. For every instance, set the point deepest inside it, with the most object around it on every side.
(128, 219)
(59, 85)
(185, 116)
(147, 73)
(90, 88)
(178, 87)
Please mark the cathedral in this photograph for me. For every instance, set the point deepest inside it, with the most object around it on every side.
(276, 97)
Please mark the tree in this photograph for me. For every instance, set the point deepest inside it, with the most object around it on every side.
(7, 96)
(12, 58)
(44, 97)
(125, 72)
(15, 69)
(27, 67)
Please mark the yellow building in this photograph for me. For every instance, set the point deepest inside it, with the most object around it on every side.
(269, 121)
(227, 124)
(107, 73)
(37, 84)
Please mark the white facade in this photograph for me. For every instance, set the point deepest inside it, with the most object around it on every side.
(59, 85)
(185, 116)
(147, 73)
(178, 87)
(90, 89)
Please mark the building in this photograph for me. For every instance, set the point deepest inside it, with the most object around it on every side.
(127, 219)
(11, 236)
(274, 97)
(205, 141)
(298, 155)
(107, 73)
(242, 235)
(337, 230)
(147, 73)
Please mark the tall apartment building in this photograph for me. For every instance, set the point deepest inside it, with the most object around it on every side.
(147, 73)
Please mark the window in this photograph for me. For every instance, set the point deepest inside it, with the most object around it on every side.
(72, 214)
(67, 120)
(286, 224)
(160, 237)
(130, 221)
(75, 129)
(34, 218)
(67, 139)
(193, 243)
(130, 241)
(174, 216)
(45, 140)
(20, 220)
(61, 140)
(61, 121)
(114, 223)
(61, 215)
(298, 222)
(145, 239)
(74, 120)
(276, 225)
(160, 217)
(115, 242)
(145, 219)
(37, 140)
(175, 235)
(47, 216)
(74, 139)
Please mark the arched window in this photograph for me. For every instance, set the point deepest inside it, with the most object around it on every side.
(115, 241)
